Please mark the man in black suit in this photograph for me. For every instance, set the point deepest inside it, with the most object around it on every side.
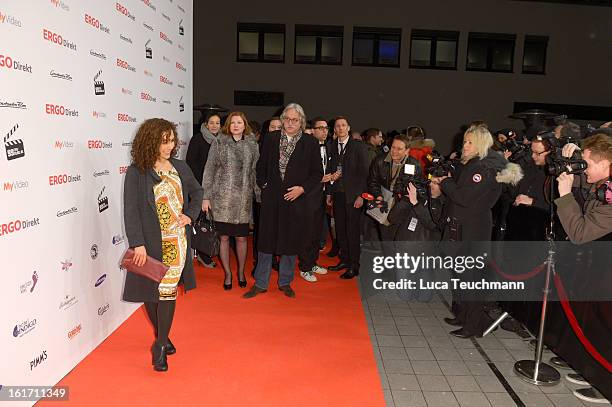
(316, 201)
(349, 160)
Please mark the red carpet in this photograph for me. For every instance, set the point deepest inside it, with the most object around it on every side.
(313, 350)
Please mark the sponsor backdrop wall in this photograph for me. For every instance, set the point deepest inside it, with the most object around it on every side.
(76, 80)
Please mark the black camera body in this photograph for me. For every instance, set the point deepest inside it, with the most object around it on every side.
(438, 165)
(556, 163)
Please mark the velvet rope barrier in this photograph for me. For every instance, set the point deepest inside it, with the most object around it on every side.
(519, 277)
(567, 309)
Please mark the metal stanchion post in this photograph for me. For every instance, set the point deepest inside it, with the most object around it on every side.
(535, 371)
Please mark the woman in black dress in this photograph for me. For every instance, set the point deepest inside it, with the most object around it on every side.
(229, 185)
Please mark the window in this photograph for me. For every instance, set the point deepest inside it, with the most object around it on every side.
(376, 46)
(490, 52)
(534, 54)
(433, 49)
(318, 44)
(261, 42)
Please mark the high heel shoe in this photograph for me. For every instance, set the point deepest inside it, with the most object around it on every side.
(242, 283)
(160, 361)
(227, 287)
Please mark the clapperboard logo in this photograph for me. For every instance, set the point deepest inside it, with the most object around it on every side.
(14, 148)
(181, 105)
(148, 50)
(102, 201)
(98, 85)
(181, 29)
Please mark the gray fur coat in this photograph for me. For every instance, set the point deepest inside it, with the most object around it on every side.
(229, 178)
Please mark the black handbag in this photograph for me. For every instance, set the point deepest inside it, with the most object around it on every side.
(205, 236)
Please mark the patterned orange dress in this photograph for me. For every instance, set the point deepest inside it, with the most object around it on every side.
(169, 203)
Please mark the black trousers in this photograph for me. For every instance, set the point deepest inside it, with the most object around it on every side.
(348, 222)
(310, 253)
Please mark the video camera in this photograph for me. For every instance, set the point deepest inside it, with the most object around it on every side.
(557, 164)
(439, 166)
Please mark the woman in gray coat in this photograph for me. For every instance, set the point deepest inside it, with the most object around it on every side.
(229, 185)
(161, 198)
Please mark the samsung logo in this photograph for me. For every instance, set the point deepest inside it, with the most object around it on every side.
(100, 280)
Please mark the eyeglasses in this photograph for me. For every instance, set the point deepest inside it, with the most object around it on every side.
(321, 128)
(539, 153)
(292, 121)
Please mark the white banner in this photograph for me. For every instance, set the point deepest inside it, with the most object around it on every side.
(76, 80)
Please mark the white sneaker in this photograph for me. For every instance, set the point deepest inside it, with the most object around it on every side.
(576, 379)
(591, 395)
(318, 270)
(308, 276)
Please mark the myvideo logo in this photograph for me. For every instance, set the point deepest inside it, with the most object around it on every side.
(12, 186)
(58, 40)
(60, 4)
(8, 19)
(18, 225)
(95, 23)
(59, 110)
(8, 62)
(62, 179)
(61, 144)
(98, 115)
(58, 75)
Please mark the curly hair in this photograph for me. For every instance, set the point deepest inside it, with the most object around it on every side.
(150, 135)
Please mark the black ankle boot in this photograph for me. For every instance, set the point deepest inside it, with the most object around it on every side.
(160, 362)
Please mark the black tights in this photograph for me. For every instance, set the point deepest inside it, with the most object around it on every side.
(161, 315)
(241, 252)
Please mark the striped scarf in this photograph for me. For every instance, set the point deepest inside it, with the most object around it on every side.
(287, 145)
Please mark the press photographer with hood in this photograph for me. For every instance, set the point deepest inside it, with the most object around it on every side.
(471, 194)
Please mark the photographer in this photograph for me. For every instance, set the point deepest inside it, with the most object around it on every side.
(392, 171)
(529, 214)
(585, 220)
(586, 216)
(471, 194)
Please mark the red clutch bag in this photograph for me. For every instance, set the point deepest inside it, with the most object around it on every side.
(153, 269)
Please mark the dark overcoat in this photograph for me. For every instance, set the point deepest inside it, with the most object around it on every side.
(142, 225)
(282, 223)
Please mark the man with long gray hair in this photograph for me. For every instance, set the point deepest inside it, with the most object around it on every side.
(289, 167)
